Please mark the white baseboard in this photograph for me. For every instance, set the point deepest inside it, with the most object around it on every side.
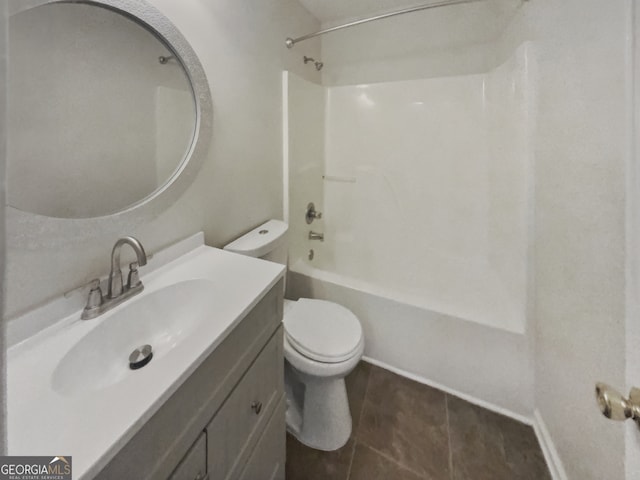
(548, 448)
(476, 401)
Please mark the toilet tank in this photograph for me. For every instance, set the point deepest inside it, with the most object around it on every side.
(268, 241)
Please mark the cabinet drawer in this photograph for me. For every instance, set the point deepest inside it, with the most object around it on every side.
(239, 422)
(194, 464)
(267, 460)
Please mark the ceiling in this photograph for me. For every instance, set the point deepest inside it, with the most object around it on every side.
(331, 11)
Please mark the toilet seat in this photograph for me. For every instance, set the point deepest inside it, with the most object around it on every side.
(322, 331)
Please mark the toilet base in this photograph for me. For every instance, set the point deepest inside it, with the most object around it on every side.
(317, 410)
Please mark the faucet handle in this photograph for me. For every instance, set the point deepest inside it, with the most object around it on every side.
(133, 280)
(312, 214)
(95, 298)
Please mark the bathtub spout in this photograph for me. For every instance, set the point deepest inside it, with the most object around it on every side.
(316, 236)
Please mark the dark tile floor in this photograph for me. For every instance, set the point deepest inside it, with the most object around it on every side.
(403, 430)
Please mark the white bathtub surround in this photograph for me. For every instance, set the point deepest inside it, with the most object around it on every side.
(304, 142)
(74, 418)
(438, 214)
(428, 240)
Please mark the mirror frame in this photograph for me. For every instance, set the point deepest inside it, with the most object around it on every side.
(150, 18)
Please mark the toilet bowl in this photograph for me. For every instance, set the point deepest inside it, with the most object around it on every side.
(323, 342)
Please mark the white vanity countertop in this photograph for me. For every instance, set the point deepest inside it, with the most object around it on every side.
(92, 426)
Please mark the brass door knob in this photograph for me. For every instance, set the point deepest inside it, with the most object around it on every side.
(614, 406)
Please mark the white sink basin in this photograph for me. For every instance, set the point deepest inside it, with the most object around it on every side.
(161, 319)
(71, 383)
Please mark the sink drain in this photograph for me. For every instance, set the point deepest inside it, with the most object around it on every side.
(140, 357)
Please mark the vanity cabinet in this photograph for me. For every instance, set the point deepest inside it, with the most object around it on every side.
(194, 464)
(226, 421)
(236, 428)
(261, 464)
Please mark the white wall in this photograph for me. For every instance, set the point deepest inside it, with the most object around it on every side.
(632, 437)
(441, 42)
(3, 98)
(580, 161)
(241, 47)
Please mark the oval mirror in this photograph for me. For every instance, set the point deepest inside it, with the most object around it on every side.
(102, 113)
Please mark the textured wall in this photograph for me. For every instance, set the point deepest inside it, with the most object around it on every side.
(580, 177)
(241, 47)
(432, 43)
(3, 72)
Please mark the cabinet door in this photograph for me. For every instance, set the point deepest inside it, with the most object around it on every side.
(194, 464)
(267, 460)
(237, 426)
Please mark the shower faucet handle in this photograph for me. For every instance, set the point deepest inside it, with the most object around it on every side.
(312, 214)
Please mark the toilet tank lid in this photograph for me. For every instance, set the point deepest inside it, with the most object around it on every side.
(261, 240)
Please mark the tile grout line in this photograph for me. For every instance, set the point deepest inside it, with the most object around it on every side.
(394, 461)
(446, 407)
(376, 451)
(355, 434)
(353, 454)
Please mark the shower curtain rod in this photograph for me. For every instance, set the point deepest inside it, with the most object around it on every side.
(290, 42)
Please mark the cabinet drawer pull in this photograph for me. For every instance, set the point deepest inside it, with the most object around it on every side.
(256, 407)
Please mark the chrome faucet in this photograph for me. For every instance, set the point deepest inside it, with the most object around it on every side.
(116, 293)
(115, 276)
(316, 236)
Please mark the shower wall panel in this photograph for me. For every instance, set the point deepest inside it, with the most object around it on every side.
(305, 117)
(435, 213)
(426, 220)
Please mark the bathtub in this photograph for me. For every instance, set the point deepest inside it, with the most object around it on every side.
(482, 363)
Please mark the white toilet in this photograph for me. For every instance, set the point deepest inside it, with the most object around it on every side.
(323, 342)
